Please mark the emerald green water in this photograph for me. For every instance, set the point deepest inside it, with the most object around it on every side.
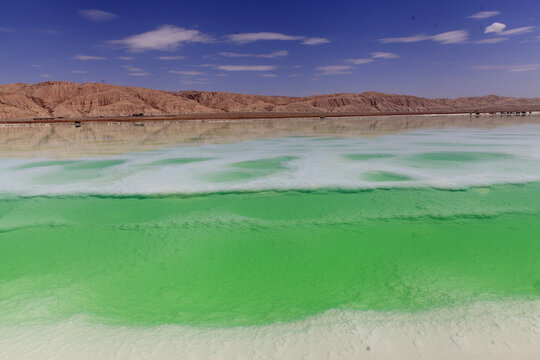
(178, 161)
(92, 164)
(250, 258)
(251, 169)
(45, 164)
(460, 156)
(385, 176)
(361, 157)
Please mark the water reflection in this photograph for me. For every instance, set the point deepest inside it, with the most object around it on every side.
(91, 139)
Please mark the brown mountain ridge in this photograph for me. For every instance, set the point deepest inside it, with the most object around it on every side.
(67, 99)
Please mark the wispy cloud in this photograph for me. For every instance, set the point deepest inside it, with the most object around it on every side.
(169, 58)
(268, 75)
(135, 71)
(384, 55)
(275, 54)
(87, 57)
(374, 55)
(35, 66)
(127, 58)
(246, 67)
(519, 30)
(509, 68)
(498, 28)
(244, 38)
(166, 37)
(449, 37)
(186, 73)
(97, 15)
(359, 61)
(484, 14)
(407, 39)
(491, 41)
(132, 68)
(79, 71)
(334, 69)
(315, 41)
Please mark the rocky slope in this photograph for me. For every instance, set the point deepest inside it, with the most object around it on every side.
(67, 99)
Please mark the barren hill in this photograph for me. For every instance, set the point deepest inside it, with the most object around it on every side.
(67, 99)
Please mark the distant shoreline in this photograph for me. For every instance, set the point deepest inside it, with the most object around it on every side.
(256, 116)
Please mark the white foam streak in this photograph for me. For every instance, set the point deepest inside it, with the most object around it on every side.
(317, 163)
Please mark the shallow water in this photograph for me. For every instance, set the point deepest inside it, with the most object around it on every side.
(231, 259)
(255, 238)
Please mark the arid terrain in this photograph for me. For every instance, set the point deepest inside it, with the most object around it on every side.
(53, 99)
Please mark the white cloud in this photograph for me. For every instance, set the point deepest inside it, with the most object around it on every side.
(519, 30)
(35, 66)
(127, 58)
(245, 38)
(524, 67)
(269, 75)
(408, 39)
(205, 65)
(384, 55)
(79, 71)
(139, 74)
(97, 15)
(168, 58)
(132, 68)
(484, 14)
(315, 41)
(186, 73)
(496, 27)
(509, 68)
(87, 57)
(166, 37)
(279, 53)
(334, 69)
(46, 75)
(450, 37)
(246, 67)
(491, 41)
(359, 61)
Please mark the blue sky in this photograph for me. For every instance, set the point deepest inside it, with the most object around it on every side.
(420, 47)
